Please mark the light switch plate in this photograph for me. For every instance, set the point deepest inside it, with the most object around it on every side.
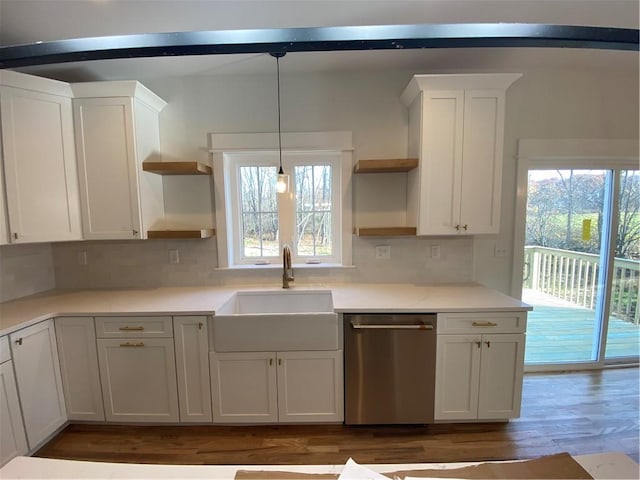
(435, 252)
(174, 257)
(383, 252)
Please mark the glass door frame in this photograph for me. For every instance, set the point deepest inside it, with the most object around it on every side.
(567, 154)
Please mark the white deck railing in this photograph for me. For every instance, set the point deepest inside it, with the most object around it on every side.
(573, 276)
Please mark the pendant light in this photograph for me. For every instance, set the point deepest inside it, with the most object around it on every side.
(282, 184)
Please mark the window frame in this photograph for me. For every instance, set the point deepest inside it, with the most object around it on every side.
(337, 146)
(236, 161)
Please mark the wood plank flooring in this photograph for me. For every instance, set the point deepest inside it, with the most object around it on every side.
(580, 413)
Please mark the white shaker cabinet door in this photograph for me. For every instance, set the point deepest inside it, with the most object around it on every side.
(106, 148)
(76, 337)
(39, 166)
(441, 142)
(35, 359)
(4, 230)
(192, 362)
(13, 441)
(310, 387)
(501, 373)
(243, 387)
(481, 176)
(457, 377)
(138, 377)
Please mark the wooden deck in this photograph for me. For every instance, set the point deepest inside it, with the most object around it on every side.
(560, 332)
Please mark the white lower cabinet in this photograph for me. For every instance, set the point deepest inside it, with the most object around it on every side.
(13, 441)
(76, 337)
(138, 377)
(310, 386)
(35, 359)
(192, 365)
(479, 376)
(269, 387)
(243, 387)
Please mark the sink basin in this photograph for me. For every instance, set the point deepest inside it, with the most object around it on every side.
(274, 320)
(277, 301)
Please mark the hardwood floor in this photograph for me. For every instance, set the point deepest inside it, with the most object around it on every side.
(579, 413)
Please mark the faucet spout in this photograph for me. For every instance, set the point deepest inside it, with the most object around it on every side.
(287, 269)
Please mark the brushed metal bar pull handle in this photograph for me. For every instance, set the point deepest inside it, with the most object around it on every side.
(129, 344)
(465, 226)
(488, 344)
(484, 324)
(478, 344)
(199, 325)
(132, 329)
(270, 361)
(279, 361)
(19, 341)
(359, 326)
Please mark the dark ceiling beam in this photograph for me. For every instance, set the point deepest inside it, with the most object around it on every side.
(383, 37)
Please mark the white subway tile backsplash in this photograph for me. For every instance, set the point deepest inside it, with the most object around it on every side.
(144, 264)
(25, 270)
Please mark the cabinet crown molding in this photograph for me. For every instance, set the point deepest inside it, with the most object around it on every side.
(119, 88)
(463, 81)
(24, 81)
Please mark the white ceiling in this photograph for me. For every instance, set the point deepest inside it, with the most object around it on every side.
(26, 21)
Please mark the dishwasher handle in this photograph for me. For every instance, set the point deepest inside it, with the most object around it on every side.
(361, 326)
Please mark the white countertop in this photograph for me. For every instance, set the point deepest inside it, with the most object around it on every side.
(391, 298)
(599, 466)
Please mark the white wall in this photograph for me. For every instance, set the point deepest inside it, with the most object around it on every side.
(542, 104)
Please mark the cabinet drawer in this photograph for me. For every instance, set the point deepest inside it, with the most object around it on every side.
(485, 322)
(5, 352)
(133, 327)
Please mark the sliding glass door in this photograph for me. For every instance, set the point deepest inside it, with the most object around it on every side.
(623, 334)
(581, 266)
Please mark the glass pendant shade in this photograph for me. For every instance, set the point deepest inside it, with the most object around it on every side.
(282, 184)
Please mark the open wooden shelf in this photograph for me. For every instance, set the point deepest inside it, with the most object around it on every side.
(181, 234)
(177, 168)
(384, 231)
(386, 166)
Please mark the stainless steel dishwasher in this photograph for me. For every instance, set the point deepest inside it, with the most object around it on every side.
(390, 366)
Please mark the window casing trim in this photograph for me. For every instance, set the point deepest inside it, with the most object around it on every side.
(339, 143)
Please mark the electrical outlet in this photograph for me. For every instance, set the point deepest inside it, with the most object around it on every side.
(435, 252)
(499, 251)
(174, 257)
(383, 252)
(82, 258)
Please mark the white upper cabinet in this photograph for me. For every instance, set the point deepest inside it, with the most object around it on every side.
(456, 130)
(117, 129)
(39, 159)
(4, 231)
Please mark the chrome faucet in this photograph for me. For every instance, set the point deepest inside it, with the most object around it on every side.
(287, 270)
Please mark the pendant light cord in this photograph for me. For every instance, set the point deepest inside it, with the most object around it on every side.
(279, 126)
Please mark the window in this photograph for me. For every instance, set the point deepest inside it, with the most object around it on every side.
(261, 221)
(314, 217)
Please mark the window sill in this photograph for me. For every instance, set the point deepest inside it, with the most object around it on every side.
(296, 266)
